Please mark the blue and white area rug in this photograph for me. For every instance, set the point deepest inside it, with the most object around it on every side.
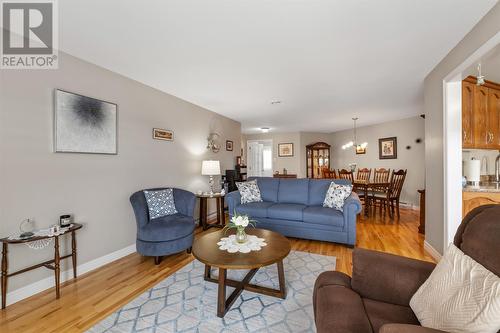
(185, 302)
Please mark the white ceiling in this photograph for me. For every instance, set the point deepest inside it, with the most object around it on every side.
(327, 60)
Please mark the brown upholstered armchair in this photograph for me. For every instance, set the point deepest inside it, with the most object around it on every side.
(376, 299)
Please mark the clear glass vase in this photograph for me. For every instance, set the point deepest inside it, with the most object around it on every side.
(241, 236)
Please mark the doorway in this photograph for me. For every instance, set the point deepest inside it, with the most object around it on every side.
(260, 158)
(452, 89)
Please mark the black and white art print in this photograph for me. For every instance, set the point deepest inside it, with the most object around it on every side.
(84, 124)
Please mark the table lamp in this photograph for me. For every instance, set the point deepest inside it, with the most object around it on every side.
(210, 168)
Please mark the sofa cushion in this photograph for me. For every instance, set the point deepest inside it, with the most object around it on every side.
(268, 188)
(294, 191)
(160, 202)
(323, 215)
(286, 211)
(317, 191)
(380, 313)
(460, 295)
(249, 191)
(166, 228)
(336, 195)
(254, 209)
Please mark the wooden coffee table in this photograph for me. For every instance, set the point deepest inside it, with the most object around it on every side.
(206, 250)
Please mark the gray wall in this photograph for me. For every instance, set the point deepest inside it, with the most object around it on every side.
(35, 182)
(406, 131)
(297, 163)
(433, 92)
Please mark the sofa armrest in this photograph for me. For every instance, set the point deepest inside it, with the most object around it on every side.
(388, 278)
(352, 207)
(185, 202)
(330, 278)
(403, 328)
(140, 206)
(233, 199)
(353, 204)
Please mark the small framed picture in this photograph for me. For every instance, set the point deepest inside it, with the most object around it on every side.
(388, 148)
(163, 134)
(285, 149)
(360, 150)
(229, 145)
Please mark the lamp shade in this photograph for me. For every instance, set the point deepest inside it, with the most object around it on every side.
(210, 168)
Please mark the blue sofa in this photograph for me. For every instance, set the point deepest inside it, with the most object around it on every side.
(294, 207)
(168, 234)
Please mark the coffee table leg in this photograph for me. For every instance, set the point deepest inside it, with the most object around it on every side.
(281, 277)
(221, 298)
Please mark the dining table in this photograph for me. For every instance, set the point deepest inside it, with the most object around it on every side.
(366, 186)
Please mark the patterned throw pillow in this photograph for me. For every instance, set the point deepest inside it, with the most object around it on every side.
(249, 191)
(160, 203)
(336, 195)
(459, 296)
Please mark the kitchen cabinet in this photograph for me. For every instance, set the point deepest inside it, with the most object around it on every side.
(467, 114)
(480, 114)
(471, 200)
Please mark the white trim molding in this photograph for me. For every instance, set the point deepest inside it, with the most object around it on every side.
(44, 284)
(432, 251)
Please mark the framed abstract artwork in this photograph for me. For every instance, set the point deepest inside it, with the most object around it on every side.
(163, 134)
(84, 125)
(285, 149)
(388, 148)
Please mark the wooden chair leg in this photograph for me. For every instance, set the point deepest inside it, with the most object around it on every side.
(397, 208)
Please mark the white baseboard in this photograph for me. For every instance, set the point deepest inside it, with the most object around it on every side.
(44, 284)
(432, 251)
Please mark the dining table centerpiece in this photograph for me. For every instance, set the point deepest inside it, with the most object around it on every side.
(240, 222)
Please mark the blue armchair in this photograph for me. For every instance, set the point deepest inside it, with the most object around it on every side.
(164, 235)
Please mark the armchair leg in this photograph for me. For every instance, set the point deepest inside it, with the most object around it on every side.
(158, 260)
(189, 250)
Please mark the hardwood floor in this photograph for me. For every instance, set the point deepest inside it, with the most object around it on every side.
(93, 296)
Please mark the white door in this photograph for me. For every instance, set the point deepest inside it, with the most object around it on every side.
(260, 158)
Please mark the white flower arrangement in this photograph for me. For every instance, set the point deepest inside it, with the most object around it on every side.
(239, 221)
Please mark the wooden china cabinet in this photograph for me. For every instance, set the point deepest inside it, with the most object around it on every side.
(480, 114)
(317, 157)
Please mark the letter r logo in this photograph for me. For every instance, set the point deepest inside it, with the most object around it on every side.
(28, 27)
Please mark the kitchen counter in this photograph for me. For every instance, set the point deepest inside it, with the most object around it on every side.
(489, 187)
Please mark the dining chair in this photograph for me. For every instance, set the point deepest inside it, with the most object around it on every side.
(389, 199)
(397, 181)
(363, 174)
(346, 174)
(331, 174)
(381, 175)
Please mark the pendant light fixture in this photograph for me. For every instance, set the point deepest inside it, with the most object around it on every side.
(480, 76)
(354, 142)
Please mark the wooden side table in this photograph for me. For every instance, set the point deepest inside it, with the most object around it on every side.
(221, 220)
(421, 227)
(53, 264)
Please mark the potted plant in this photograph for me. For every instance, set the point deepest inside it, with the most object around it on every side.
(239, 222)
